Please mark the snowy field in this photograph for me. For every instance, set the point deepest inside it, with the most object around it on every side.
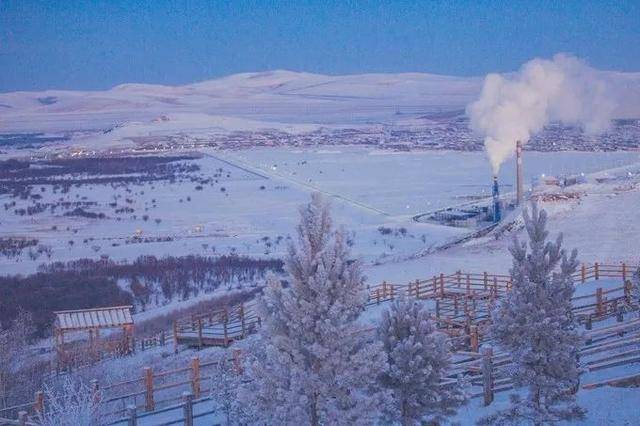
(368, 189)
(252, 208)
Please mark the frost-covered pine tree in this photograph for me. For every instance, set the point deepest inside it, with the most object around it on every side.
(224, 390)
(316, 364)
(535, 324)
(418, 357)
(635, 286)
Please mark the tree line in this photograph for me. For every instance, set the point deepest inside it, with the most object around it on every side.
(148, 280)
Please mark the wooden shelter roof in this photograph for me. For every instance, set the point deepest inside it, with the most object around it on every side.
(83, 319)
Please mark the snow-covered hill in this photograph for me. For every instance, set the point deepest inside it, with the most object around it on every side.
(274, 97)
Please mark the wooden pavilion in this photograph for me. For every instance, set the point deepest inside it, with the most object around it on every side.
(93, 321)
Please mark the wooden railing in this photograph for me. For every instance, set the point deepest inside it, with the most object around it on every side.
(490, 372)
(466, 289)
(153, 390)
(217, 328)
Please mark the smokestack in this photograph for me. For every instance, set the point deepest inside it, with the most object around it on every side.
(497, 214)
(519, 178)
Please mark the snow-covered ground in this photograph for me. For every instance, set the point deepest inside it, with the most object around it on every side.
(369, 189)
(258, 191)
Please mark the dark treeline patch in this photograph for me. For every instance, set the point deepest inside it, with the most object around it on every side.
(20, 177)
(11, 247)
(157, 281)
(80, 212)
(157, 166)
(43, 293)
(28, 140)
(14, 246)
(88, 283)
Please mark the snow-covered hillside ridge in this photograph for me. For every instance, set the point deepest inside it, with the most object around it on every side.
(275, 99)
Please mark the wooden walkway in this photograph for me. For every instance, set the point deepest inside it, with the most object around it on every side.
(216, 328)
(462, 302)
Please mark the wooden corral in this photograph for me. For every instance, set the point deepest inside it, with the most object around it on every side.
(92, 322)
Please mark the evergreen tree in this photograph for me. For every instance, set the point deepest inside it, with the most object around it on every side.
(224, 393)
(635, 286)
(317, 365)
(535, 324)
(418, 357)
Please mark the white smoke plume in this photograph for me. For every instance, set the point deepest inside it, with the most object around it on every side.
(513, 107)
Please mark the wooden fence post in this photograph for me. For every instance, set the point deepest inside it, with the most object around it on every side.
(599, 302)
(38, 404)
(619, 313)
(583, 273)
(195, 376)
(624, 272)
(495, 286)
(200, 340)
(175, 336)
(627, 291)
(22, 418)
(441, 285)
(473, 338)
(487, 375)
(438, 308)
(392, 290)
(459, 278)
(132, 416)
(468, 285)
(486, 281)
(596, 270)
(149, 405)
(187, 397)
(435, 286)
(417, 289)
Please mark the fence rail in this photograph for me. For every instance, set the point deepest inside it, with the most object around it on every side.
(461, 301)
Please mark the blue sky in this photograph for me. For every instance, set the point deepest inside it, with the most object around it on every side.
(68, 44)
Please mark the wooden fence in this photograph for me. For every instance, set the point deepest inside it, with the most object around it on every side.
(148, 391)
(605, 348)
(458, 295)
(216, 328)
(461, 300)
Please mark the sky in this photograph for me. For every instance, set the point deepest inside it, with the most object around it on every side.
(95, 45)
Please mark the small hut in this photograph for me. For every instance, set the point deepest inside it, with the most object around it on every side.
(93, 322)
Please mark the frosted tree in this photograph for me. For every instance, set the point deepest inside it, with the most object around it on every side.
(14, 340)
(224, 393)
(635, 286)
(535, 324)
(71, 404)
(418, 357)
(317, 364)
